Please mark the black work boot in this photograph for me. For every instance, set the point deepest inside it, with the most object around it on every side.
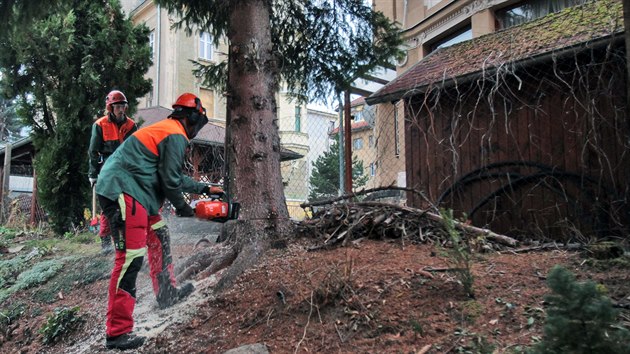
(106, 245)
(124, 341)
(172, 295)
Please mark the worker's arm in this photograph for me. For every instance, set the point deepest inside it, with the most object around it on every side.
(96, 143)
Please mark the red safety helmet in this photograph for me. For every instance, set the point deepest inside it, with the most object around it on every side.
(114, 97)
(190, 101)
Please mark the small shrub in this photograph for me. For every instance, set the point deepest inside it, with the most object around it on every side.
(9, 315)
(580, 318)
(10, 268)
(460, 255)
(61, 322)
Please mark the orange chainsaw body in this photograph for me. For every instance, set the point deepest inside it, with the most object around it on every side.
(212, 209)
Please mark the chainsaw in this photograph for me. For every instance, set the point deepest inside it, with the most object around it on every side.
(218, 207)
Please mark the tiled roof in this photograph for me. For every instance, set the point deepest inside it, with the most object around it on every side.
(210, 134)
(354, 126)
(571, 27)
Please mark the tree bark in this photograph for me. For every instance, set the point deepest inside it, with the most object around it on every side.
(626, 24)
(252, 136)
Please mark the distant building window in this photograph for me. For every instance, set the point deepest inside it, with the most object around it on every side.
(331, 126)
(357, 116)
(462, 35)
(430, 3)
(152, 42)
(205, 46)
(371, 141)
(373, 169)
(529, 10)
(357, 144)
(298, 118)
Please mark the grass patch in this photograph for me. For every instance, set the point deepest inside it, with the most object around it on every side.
(91, 270)
(38, 274)
(11, 268)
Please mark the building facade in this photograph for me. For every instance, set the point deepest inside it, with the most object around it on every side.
(172, 74)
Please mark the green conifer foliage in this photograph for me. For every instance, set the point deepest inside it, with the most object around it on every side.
(60, 68)
(580, 318)
(321, 46)
(325, 177)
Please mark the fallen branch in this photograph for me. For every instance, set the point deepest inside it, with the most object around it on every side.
(362, 192)
(494, 237)
(547, 246)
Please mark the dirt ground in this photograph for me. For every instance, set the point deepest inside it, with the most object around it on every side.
(371, 297)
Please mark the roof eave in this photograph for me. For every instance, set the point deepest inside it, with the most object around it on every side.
(400, 94)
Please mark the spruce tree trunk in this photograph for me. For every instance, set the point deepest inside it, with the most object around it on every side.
(253, 140)
(626, 24)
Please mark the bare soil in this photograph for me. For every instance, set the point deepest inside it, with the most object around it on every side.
(370, 297)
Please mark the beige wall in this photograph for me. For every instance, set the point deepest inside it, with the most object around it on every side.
(390, 151)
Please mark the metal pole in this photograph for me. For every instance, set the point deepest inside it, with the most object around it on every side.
(348, 144)
(34, 199)
(340, 146)
(5, 178)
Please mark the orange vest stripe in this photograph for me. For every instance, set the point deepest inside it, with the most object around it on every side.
(112, 132)
(153, 135)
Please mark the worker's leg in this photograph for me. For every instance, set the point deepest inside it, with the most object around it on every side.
(105, 234)
(128, 222)
(161, 264)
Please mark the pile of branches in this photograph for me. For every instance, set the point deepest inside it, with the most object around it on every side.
(341, 223)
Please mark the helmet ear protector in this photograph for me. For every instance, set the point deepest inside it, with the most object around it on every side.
(198, 113)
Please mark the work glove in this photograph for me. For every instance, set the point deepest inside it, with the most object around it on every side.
(211, 190)
(92, 182)
(186, 211)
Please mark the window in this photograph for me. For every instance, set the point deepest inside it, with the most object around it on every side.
(331, 126)
(530, 10)
(205, 46)
(298, 118)
(357, 144)
(462, 35)
(373, 169)
(430, 3)
(371, 141)
(152, 42)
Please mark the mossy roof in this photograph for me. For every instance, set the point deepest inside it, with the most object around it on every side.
(572, 27)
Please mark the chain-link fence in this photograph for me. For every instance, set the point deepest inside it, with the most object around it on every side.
(312, 160)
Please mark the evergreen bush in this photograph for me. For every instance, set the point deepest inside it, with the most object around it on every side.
(580, 318)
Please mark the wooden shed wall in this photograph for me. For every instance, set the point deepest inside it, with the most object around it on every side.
(556, 139)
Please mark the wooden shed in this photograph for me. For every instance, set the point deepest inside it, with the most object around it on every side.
(525, 130)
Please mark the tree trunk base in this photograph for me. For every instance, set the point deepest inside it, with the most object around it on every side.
(243, 244)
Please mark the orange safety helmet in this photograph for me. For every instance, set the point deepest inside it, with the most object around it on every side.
(114, 96)
(189, 100)
(188, 106)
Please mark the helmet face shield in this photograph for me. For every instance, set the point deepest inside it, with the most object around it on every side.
(195, 124)
(118, 111)
(115, 97)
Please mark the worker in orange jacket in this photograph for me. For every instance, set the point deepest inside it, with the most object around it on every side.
(108, 132)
